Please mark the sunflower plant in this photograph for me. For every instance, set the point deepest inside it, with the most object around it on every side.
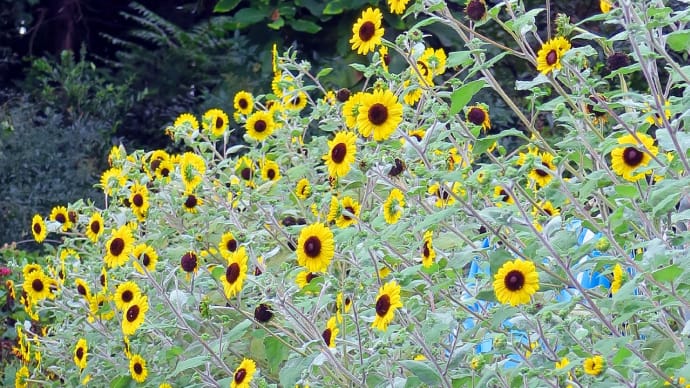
(387, 235)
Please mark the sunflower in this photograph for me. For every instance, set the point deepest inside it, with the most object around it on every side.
(333, 208)
(539, 175)
(380, 113)
(315, 247)
(516, 281)
(385, 57)
(351, 109)
(83, 288)
(31, 268)
(352, 207)
(139, 200)
(387, 301)
(617, 279)
(103, 279)
(330, 333)
(227, 245)
(263, 313)
(393, 206)
(191, 203)
(550, 54)
(60, 215)
(21, 376)
(479, 115)
(305, 277)
(125, 294)
(443, 193)
(96, 304)
(295, 100)
(146, 255)
(502, 196)
(165, 168)
(94, 229)
(656, 118)
(397, 6)
(189, 262)
(153, 161)
(244, 168)
(37, 286)
(137, 368)
(476, 10)
(546, 207)
(634, 154)
(38, 228)
(192, 169)
(428, 251)
(119, 246)
(435, 60)
(341, 153)
(367, 31)
(342, 306)
(260, 125)
(243, 102)
(594, 365)
(235, 273)
(412, 94)
(605, 6)
(112, 179)
(188, 120)
(215, 122)
(270, 170)
(303, 189)
(243, 374)
(133, 314)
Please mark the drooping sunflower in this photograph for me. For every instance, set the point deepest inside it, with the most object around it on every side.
(387, 301)
(397, 6)
(260, 125)
(94, 229)
(215, 122)
(412, 93)
(38, 228)
(112, 179)
(103, 279)
(60, 214)
(428, 251)
(189, 262)
(305, 277)
(81, 353)
(243, 102)
(617, 279)
(367, 31)
(125, 294)
(133, 314)
(315, 247)
(380, 113)
(632, 155)
(243, 374)
(235, 273)
(343, 304)
(227, 245)
(147, 256)
(83, 288)
(303, 189)
(333, 209)
(655, 118)
(192, 169)
(351, 109)
(594, 365)
(539, 175)
(191, 203)
(37, 286)
(119, 246)
(270, 170)
(188, 120)
(341, 153)
(479, 115)
(502, 197)
(385, 57)
(263, 313)
(349, 213)
(550, 54)
(139, 200)
(330, 333)
(137, 368)
(515, 282)
(393, 206)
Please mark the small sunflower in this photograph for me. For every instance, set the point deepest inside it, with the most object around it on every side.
(263, 313)
(330, 333)
(83, 288)
(351, 206)
(540, 175)
(215, 122)
(367, 31)
(192, 169)
(435, 60)
(94, 229)
(380, 113)
(96, 309)
(343, 304)
(235, 273)
(125, 294)
(80, 353)
(188, 120)
(295, 100)
(191, 203)
(189, 262)
(633, 155)
(112, 179)
(60, 215)
(594, 365)
(502, 197)
(119, 246)
(387, 301)
(137, 368)
(443, 193)
(139, 200)
(428, 251)
(37, 286)
(656, 118)
(270, 170)
(147, 256)
(260, 125)
(305, 277)
(393, 206)
(341, 153)
(21, 376)
(243, 102)
(412, 93)
(315, 247)
(133, 314)
(479, 115)
(546, 207)
(550, 54)
(385, 57)
(476, 10)
(397, 6)
(351, 109)
(303, 189)
(38, 228)
(243, 374)
(617, 279)
(227, 245)
(165, 168)
(244, 168)
(515, 282)
(605, 6)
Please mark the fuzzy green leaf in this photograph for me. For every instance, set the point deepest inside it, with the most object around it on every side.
(461, 97)
(225, 5)
(425, 373)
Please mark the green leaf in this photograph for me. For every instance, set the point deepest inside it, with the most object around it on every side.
(621, 355)
(276, 352)
(189, 364)
(302, 25)
(225, 5)
(238, 330)
(333, 8)
(422, 370)
(461, 97)
(324, 72)
(120, 382)
(459, 58)
(667, 274)
(627, 191)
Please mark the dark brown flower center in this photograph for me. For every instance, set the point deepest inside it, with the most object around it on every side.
(190, 202)
(326, 335)
(117, 246)
(383, 304)
(476, 116)
(188, 262)
(72, 215)
(37, 228)
(312, 246)
(138, 369)
(60, 218)
(127, 296)
(475, 10)
(246, 173)
(263, 313)
(260, 126)
(240, 374)
(347, 217)
(243, 103)
(426, 251)
(271, 173)
(138, 200)
(132, 313)
(311, 276)
(165, 171)
(295, 101)
(504, 196)
(231, 245)
(514, 280)
(155, 164)
(102, 279)
(338, 153)
(551, 57)
(632, 156)
(145, 259)
(423, 68)
(367, 31)
(417, 136)
(378, 114)
(219, 122)
(232, 273)
(37, 285)
(81, 289)
(95, 227)
(80, 353)
(387, 59)
(342, 94)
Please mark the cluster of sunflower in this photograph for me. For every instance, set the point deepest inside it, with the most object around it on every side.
(371, 237)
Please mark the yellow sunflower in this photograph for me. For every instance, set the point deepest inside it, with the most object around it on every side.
(139, 200)
(243, 374)
(380, 113)
(412, 93)
(341, 153)
(295, 100)
(545, 207)
(191, 203)
(60, 215)
(385, 57)
(38, 228)
(260, 125)
(244, 168)
(94, 229)
(303, 189)
(351, 206)
(125, 294)
(501, 196)
(633, 155)
(387, 301)
(539, 175)
(192, 169)
(515, 282)
(37, 286)
(330, 333)
(153, 161)
(188, 120)
(133, 314)
(594, 365)
(215, 122)
(119, 246)
(227, 245)
(137, 368)
(165, 168)
(443, 193)
(96, 309)
(305, 277)
(393, 206)
(397, 6)
(112, 179)
(428, 251)
(351, 109)
(315, 247)
(243, 102)
(550, 54)
(479, 115)
(367, 31)
(655, 118)
(81, 352)
(605, 6)
(83, 288)
(617, 279)
(146, 255)
(235, 273)
(435, 60)
(270, 170)
(21, 376)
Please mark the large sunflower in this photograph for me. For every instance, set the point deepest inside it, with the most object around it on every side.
(139, 200)
(118, 247)
(243, 374)
(81, 353)
(133, 314)
(125, 294)
(550, 54)
(393, 206)
(215, 122)
(428, 251)
(351, 206)
(38, 228)
(515, 282)
(94, 229)
(315, 247)
(387, 301)
(227, 245)
(260, 125)
(147, 256)
(37, 286)
(380, 114)
(330, 333)
(633, 155)
(367, 31)
(137, 368)
(235, 273)
(243, 102)
(341, 153)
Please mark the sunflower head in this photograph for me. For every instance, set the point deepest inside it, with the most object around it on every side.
(550, 54)
(137, 368)
(330, 333)
(515, 282)
(243, 374)
(367, 31)
(387, 301)
(479, 115)
(260, 125)
(215, 122)
(38, 228)
(476, 10)
(594, 365)
(341, 153)
(315, 247)
(243, 102)
(379, 114)
(635, 152)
